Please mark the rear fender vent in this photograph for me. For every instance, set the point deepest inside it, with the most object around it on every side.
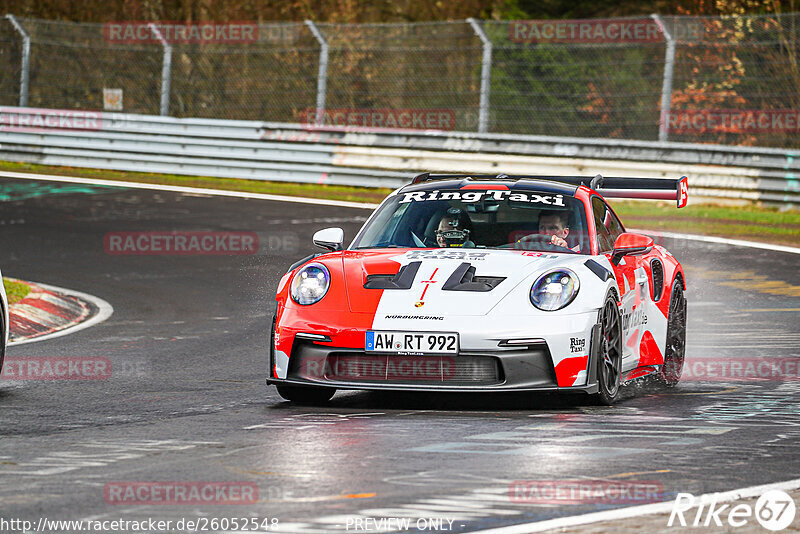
(658, 279)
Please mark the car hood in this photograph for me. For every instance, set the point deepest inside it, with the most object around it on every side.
(427, 290)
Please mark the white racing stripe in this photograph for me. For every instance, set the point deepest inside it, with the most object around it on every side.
(342, 203)
(636, 511)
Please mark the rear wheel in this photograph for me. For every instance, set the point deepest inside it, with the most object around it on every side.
(675, 351)
(305, 394)
(609, 361)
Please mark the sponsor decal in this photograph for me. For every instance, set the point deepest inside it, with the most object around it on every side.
(472, 196)
(445, 255)
(633, 319)
(536, 254)
(416, 317)
(427, 283)
(577, 344)
(584, 491)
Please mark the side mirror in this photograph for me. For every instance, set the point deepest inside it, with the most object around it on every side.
(628, 244)
(329, 238)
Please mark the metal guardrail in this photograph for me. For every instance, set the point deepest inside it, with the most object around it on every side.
(300, 153)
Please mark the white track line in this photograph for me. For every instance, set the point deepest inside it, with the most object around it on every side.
(722, 241)
(635, 511)
(182, 189)
(104, 312)
(342, 203)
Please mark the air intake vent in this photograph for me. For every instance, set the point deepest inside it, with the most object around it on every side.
(658, 279)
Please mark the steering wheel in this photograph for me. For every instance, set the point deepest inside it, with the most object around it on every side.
(538, 242)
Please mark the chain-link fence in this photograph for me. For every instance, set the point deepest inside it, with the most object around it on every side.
(732, 80)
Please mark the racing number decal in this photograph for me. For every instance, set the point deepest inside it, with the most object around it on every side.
(683, 192)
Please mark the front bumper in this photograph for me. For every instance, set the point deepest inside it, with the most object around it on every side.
(526, 368)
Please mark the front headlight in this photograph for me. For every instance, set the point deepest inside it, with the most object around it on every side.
(310, 284)
(554, 290)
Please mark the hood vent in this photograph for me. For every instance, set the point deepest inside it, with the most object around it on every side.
(464, 279)
(402, 280)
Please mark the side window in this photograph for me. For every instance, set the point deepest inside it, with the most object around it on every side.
(606, 224)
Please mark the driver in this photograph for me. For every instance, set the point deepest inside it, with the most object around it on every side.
(555, 224)
(454, 229)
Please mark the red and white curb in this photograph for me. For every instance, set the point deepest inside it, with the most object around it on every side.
(48, 311)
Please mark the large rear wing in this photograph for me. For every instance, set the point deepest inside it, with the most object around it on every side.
(608, 186)
(636, 188)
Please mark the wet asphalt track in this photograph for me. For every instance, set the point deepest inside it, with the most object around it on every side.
(186, 400)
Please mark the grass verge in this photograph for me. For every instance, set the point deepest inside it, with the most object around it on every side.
(15, 291)
(752, 223)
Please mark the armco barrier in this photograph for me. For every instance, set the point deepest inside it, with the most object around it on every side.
(377, 158)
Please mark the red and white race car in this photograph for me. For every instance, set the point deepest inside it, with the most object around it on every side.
(471, 283)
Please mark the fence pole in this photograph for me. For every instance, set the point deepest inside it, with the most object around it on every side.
(666, 88)
(24, 77)
(322, 76)
(486, 75)
(166, 70)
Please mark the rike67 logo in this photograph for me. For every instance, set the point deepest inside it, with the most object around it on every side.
(774, 510)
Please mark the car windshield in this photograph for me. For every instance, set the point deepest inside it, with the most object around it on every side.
(478, 218)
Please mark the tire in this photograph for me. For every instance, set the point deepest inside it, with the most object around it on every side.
(675, 350)
(308, 395)
(609, 362)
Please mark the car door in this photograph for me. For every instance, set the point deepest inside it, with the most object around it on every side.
(631, 281)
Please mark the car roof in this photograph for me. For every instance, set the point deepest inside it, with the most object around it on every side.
(517, 183)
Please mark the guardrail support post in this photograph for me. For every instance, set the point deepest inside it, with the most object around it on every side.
(666, 88)
(322, 76)
(486, 75)
(24, 77)
(166, 70)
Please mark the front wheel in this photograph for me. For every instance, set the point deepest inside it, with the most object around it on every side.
(675, 351)
(309, 395)
(609, 361)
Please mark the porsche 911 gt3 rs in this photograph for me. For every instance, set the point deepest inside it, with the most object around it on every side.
(474, 283)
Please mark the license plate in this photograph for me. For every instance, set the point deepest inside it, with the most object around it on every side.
(412, 342)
